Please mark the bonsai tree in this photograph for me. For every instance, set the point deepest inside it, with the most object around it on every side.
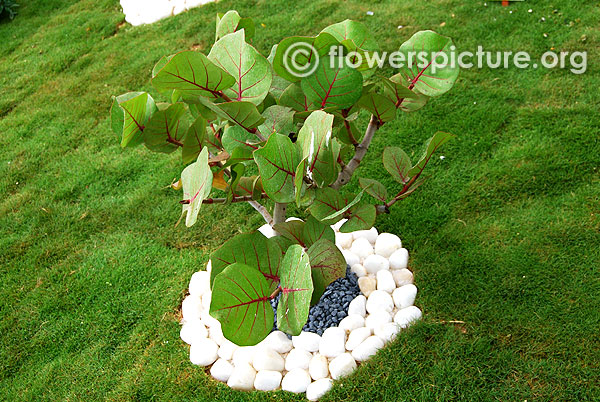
(256, 128)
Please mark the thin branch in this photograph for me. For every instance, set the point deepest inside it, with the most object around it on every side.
(241, 198)
(275, 293)
(361, 150)
(262, 210)
(279, 212)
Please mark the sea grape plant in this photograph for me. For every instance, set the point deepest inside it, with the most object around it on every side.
(255, 128)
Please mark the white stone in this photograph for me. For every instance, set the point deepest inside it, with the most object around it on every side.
(367, 285)
(209, 320)
(318, 388)
(341, 366)
(357, 336)
(367, 348)
(407, 316)
(332, 342)
(308, 341)
(388, 331)
(200, 283)
(358, 306)
(221, 370)
(343, 240)
(297, 358)
(377, 318)
(404, 296)
(216, 334)
(267, 359)
(351, 322)
(361, 248)
(385, 281)
(350, 257)
(296, 381)
(191, 308)
(242, 377)
(399, 259)
(267, 380)
(278, 341)
(380, 300)
(375, 263)
(227, 349)
(206, 299)
(193, 330)
(209, 267)
(402, 277)
(359, 270)
(267, 230)
(318, 367)
(370, 235)
(386, 244)
(243, 355)
(338, 225)
(203, 352)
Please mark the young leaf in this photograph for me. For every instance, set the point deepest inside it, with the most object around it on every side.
(295, 57)
(296, 291)
(414, 104)
(354, 31)
(251, 70)
(293, 230)
(380, 106)
(293, 97)
(314, 231)
(278, 119)
(192, 143)
(329, 205)
(252, 249)
(193, 75)
(196, 180)
(437, 75)
(318, 147)
(396, 91)
(397, 163)
(244, 114)
(333, 86)
(327, 264)
(277, 162)
(438, 139)
(235, 137)
(166, 129)
(374, 188)
(227, 24)
(137, 110)
(240, 301)
(362, 217)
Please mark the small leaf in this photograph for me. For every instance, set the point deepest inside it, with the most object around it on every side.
(240, 301)
(192, 144)
(295, 56)
(166, 129)
(137, 111)
(299, 185)
(327, 264)
(414, 104)
(396, 91)
(235, 137)
(397, 163)
(329, 205)
(278, 119)
(293, 230)
(293, 97)
(374, 188)
(227, 24)
(354, 31)
(314, 231)
(362, 217)
(296, 292)
(244, 114)
(380, 106)
(196, 180)
(438, 139)
(319, 149)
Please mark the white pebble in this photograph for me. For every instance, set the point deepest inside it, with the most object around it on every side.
(267, 359)
(358, 306)
(308, 341)
(227, 349)
(221, 370)
(297, 358)
(200, 283)
(206, 299)
(407, 316)
(351, 322)
(278, 341)
(216, 334)
(242, 377)
(209, 267)
(332, 342)
(359, 270)
(386, 244)
(399, 259)
(357, 336)
(318, 367)
(404, 296)
(385, 281)
(343, 240)
(192, 331)
(296, 381)
(208, 319)
(243, 355)
(203, 352)
(402, 277)
(375, 263)
(341, 366)
(362, 248)
(380, 301)
(370, 235)
(367, 285)
(336, 226)
(367, 348)
(388, 331)
(267, 380)
(350, 257)
(267, 230)
(191, 308)
(318, 388)
(378, 318)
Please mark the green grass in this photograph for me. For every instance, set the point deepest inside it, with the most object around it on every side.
(504, 236)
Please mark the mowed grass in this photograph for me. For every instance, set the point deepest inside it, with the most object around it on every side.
(504, 236)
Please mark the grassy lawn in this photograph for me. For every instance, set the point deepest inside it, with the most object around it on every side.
(505, 236)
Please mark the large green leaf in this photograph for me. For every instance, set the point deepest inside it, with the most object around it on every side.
(278, 119)
(193, 75)
(196, 180)
(296, 290)
(137, 108)
(240, 301)
(380, 106)
(362, 217)
(327, 264)
(329, 205)
(319, 148)
(192, 143)
(277, 162)
(235, 137)
(252, 249)
(397, 163)
(314, 231)
(244, 114)
(438, 139)
(333, 84)
(355, 37)
(374, 188)
(293, 230)
(293, 97)
(251, 70)
(166, 129)
(298, 56)
(433, 74)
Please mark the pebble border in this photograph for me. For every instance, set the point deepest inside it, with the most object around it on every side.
(309, 363)
(138, 12)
